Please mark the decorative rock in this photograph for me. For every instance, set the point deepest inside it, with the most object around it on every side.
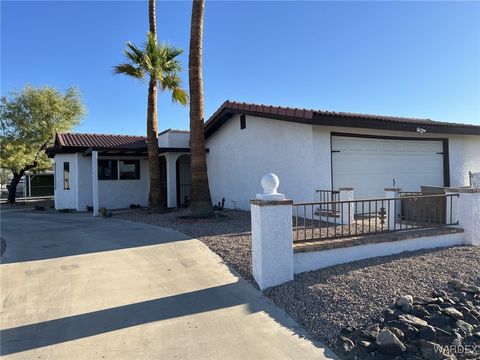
(438, 293)
(404, 300)
(457, 284)
(433, 308)
(347, 344)
(367, 346)
(371, 332)
(453, 313)
(428, 333)
(465, 327)
(389, 344)
(459, 295)
(423, 300)
(472, 289)
(412, 320)
(439, 321)
(419, 311)
(409, 331)
(430, 350)
(457, 343)
(406, 308)
(437, 328)
(471, 319)
(397, 332)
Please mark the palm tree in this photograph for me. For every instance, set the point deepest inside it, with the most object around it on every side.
(200, 199)
(160, 63)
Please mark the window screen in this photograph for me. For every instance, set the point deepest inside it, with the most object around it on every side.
(129, 169)
(66, 176)
(107, 170)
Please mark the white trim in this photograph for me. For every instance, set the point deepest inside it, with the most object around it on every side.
(95, 182)
(308, 261)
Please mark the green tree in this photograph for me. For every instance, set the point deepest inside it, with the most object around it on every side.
(29, 120)
(160, 63)
(200, 199)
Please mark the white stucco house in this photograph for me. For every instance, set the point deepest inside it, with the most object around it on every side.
(307, 149)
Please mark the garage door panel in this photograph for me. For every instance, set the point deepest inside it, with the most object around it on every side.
(370, 165)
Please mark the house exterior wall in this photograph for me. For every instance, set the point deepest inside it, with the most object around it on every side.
(174, 139)
(301, 157)
(464, 157)
(65, 199)
(113, 194)
(119, 194)
(238, 159)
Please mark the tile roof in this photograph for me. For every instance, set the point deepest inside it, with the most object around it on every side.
(101, 141)
(332, 118)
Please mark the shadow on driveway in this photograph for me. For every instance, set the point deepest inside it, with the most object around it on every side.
(69, 328)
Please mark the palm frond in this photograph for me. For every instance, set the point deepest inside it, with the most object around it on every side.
(157, 60)
(134, 54)
(170, 82)
(180, 96)
(130, 70)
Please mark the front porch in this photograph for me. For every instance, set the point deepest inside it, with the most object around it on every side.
(174, 178)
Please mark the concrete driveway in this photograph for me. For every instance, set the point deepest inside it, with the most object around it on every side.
(78, 287)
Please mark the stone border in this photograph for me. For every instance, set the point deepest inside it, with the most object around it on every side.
(260, 202)
(323, 245)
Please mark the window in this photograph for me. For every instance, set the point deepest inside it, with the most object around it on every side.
(129, 169)
(107, 170)
(66, 176)
(243, 122)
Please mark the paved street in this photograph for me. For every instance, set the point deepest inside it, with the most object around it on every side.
(78, 287)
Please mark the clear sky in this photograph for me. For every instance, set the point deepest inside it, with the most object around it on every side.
(418, 59)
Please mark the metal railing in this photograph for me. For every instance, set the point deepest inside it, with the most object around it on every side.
(354, 218)
(474, 179)
(326, 197)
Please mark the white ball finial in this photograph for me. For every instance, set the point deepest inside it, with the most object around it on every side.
(270, 184)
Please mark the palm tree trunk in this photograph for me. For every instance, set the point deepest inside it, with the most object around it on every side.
(200, 199)
(155, 202)
(154, 198)
(151, 18)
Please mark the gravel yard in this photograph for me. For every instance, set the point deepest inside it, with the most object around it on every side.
(327, 300)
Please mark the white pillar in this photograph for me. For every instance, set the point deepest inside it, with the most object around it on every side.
(95, 182)
(392, 207)
(172, 179)
(347, 211)
(272, 235)
(467, 213)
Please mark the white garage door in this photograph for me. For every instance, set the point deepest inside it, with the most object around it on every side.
(370, 165)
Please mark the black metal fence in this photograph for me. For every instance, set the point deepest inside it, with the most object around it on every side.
(354, 218)
(474, 179)
(326, 197)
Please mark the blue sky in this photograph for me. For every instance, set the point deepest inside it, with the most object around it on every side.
(418, 59)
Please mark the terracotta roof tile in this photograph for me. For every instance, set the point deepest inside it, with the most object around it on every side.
(309, 115)
(101, 141)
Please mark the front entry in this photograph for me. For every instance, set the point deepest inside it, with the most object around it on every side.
(183, 180)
